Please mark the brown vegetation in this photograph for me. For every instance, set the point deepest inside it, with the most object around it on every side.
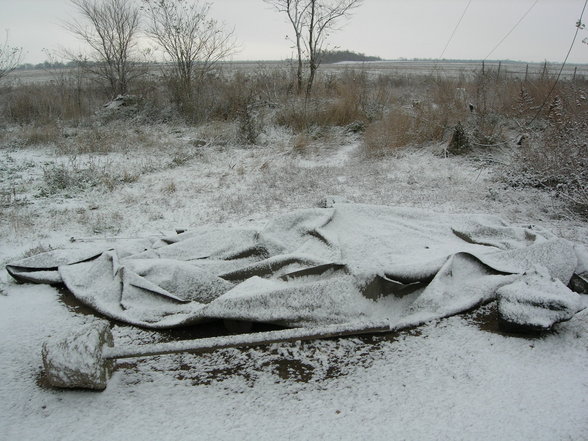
(545, 135)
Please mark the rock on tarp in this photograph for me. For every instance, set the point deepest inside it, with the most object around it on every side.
(535, 302)
(311, 267)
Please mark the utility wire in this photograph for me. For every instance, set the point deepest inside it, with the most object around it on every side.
(579, 25)
(455, 29)
(512, 29)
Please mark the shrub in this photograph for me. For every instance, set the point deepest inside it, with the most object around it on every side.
(556, 159)
(59, 177)
(459, 142)
(249, 127)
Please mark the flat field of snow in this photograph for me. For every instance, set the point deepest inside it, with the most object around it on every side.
(452, 379)
(399, 68)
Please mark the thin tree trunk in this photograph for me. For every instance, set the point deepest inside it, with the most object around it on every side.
(311, 49)
(300, 66)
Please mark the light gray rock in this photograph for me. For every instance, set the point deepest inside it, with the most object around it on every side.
(535, 302)
(76, 361)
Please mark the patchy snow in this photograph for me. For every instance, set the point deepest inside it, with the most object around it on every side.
(337, 157)
(455, 378)
(449, 380)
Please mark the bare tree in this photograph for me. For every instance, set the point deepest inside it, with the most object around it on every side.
(295, 10)
(193, 42)
(321, 21)
(10, 57)
(110, 28)
(312, 22)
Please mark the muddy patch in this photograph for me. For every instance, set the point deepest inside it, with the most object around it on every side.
(487, 320)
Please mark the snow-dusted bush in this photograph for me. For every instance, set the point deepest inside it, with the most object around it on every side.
(74, 176)
(556, 159)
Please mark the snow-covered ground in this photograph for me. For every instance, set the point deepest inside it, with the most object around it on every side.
(452, 379)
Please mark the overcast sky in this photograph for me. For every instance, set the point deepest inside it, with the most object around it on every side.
(387, 28)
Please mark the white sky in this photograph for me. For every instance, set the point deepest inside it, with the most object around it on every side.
(386, 28)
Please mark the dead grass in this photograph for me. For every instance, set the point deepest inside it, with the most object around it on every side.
(169, 188)
(115, 136)
(219, 132)
(338, 102)
(228, 109)
(44, 134)
(50, 102)
(301, 142)
(416, 125)
(75, 176)
(419, 118)
(41, 248)
(17, 219)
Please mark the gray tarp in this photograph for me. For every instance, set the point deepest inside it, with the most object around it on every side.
(310, 267)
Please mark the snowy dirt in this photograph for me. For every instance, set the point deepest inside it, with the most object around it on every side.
(457, 378)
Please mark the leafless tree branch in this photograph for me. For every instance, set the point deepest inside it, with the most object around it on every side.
(312, 22)
(192, 41)
(10, 57)
(109, 28)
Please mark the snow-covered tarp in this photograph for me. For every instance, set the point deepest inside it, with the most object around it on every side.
(321, 266)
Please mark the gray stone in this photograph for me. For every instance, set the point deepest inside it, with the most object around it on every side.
(535, 302)
(76, 361)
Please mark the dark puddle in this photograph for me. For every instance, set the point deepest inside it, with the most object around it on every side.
(217, 366)
(67, 299)
(300, 362)
(213, 328)
(292, 370)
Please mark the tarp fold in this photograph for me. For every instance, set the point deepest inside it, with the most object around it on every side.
(350, 262)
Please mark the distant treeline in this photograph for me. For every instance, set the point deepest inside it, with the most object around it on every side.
(328, 57)
(48, 65)
(470, 61)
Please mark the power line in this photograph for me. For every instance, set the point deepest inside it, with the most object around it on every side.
(455, 29)
(512, 29)
(579, 25)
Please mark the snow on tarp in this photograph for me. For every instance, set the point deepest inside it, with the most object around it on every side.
(535, 302)
(313, 267)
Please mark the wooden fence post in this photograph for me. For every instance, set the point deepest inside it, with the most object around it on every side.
(526, 73)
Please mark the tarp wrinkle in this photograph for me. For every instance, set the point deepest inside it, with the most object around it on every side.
(318, 266)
